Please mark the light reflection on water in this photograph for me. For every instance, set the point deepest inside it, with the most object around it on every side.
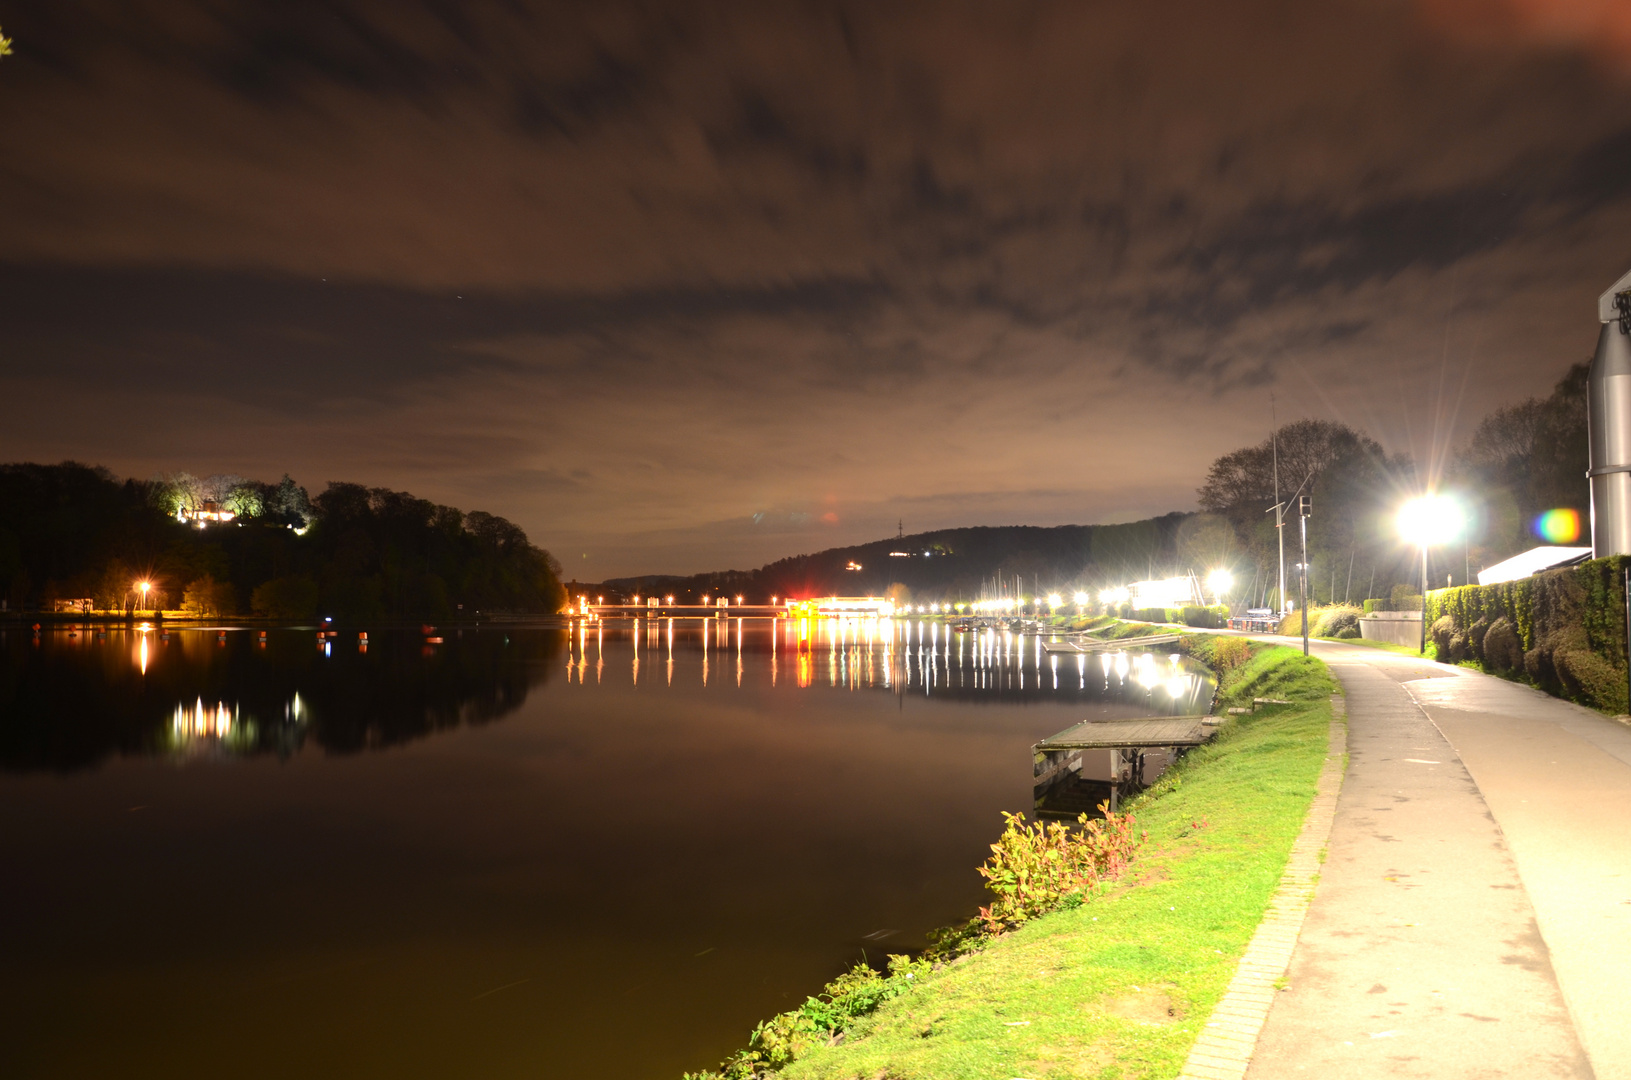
(481, 857)
(923, 657)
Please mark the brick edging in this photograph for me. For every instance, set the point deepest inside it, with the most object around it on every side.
(1224, 1048)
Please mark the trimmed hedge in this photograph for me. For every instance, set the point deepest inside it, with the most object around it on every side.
(1205, 618)
(1409, 603)
(1563, 631)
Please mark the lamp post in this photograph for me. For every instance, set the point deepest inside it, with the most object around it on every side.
(1305, 507)
(1426, 522)
(144, 586)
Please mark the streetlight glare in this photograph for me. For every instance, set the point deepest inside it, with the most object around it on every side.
(1220, 582)
(1430, 520)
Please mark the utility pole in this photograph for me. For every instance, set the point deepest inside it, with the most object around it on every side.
(1279, 507)
(1305, 506)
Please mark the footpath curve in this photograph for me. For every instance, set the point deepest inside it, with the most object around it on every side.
(1473, 915)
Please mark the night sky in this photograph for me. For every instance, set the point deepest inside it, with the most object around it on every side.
(687, 286)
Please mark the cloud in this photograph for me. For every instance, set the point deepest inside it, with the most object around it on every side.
(623, 272)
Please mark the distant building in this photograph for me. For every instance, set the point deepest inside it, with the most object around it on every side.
(204, 513)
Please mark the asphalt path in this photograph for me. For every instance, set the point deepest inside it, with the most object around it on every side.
(1473, 914)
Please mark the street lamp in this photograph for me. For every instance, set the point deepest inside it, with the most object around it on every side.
(1427, 522)
(144, 586)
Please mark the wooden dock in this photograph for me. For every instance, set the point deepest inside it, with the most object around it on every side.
(1123, 749)
(1095, 645)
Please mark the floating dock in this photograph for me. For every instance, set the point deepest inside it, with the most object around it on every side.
(1106, 760)
(1095, 645)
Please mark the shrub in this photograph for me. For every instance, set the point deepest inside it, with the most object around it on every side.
(1440, 633)
(1502, 650)
(1349, 632)
(1149, 614)
(1229, 653)
(1291, 625)
(1475, 639)
(1537, 664)
(1205, 618)
(1034, 868)
(1588, 677)
(1330, 622)
(781, 1039)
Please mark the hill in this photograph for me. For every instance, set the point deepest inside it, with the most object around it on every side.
(952, 564)
(226, 545)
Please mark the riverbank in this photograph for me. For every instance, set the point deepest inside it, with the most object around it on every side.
(1122, 984)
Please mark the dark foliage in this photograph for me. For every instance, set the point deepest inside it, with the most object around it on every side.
(948, 564)
(1564, 630)
(69, 531)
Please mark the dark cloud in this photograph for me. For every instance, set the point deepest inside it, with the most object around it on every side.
(636, 273)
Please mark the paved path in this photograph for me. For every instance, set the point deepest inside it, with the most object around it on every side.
(1473, 916)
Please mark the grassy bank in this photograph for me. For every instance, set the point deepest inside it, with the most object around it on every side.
(1119, 986)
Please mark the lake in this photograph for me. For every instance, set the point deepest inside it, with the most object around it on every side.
(522, 852)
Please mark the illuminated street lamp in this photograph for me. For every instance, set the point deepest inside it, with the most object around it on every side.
(144, 586)
(1220, 582)
(1427, 522)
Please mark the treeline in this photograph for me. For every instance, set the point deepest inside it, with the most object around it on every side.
(1522, 461)
(948, 564)
(70, 532)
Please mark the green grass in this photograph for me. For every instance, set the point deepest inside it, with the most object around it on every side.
(1120, 986)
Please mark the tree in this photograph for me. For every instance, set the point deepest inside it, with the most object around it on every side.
(206, 596)
(1244, 479)
(1525, 459)
(293, 597)
(5, 45)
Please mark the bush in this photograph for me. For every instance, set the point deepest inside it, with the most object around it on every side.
(1440, 633)
(1537, 664)
(1330, 622)
(1502, 650)
(1150, 614)
(1348, 633)
(1205, 618)
(1475, 639)
(1034, 868)
(1588, 677)
(1229, 653)
(781, 1039)
(1291, 625)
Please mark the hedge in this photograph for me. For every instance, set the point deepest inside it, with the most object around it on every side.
(1563, 631)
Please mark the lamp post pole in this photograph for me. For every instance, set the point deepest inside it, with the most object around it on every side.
(1423, 649)
(1304, 508)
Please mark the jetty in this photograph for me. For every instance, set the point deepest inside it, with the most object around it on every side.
(1106, 760)
(1099, 645)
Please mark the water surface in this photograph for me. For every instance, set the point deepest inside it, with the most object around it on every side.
(521, 852)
